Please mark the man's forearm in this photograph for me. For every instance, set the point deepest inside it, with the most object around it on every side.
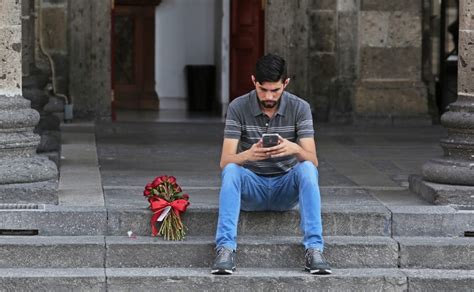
(304, 155)
(239, 158)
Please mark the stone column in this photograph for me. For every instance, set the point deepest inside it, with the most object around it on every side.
(450, 179)
(24, 176)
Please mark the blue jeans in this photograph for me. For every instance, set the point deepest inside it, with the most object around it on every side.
(242, 189)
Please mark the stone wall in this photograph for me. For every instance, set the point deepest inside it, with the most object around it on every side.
(390, 88)
(352, 59)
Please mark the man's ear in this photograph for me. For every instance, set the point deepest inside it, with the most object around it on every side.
(287, 81)
(253, 80)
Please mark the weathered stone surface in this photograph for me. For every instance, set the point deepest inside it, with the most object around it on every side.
(323, 4)
(10, 60)
(387, 5)
(357, 221)
(402, 101)
(466, 62)
(404, 30)
(439, 280)
(51, 252)
(322, 37)
(386, 63)
(342, 252)
(443, 194)
(256, 280)
(28, 279)
(436, 253)
(42, 192)
(347, 5)
(374, 26)
(433, 221)
(56, 220)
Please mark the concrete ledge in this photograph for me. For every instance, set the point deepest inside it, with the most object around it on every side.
(436, 252)
(180, 279)
(44, 192)
(266, 252)
(27, 279)
(52, 252)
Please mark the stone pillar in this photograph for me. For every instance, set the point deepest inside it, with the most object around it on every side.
(24, 176)
(390, 88)
(450, 179)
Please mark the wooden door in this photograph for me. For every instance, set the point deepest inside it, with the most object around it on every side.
(133, 51)
(246, 43)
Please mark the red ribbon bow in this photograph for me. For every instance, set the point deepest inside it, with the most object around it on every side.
(157, 205)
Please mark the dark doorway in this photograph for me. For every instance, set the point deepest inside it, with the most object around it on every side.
(133, 45)
(246, 43)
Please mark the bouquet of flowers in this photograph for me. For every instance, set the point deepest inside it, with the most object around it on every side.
(167, 202)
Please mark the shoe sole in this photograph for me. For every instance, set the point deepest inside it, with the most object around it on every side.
(319, 271)
(222, 272)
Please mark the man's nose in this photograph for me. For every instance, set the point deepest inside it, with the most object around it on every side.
(268, 95)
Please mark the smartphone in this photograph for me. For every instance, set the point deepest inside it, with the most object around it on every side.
(270, 140)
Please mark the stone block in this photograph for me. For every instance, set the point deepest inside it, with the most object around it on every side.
(466, 62)
(255, 280)
(347, 5)
(51, 252)
(440, 280)
(388, 5)
(323, 4)
(258, 251)
(404, 30)
(28, 279)
(374, 28)
(347, 46)
(431, 221)
(44, 192)
(56, 220)
(322, 69)
(382, 101)
(323, 31)
(54, 28)
(436, 253)
(396, 63)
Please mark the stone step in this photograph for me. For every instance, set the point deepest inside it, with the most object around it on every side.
(27, 279)
(337, 220)
(253, 251)
(436, 252)
(52, 251)
(252, 279)
(53, 219)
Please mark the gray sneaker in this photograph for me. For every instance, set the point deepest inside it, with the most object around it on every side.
(315, 263)
(225, 262)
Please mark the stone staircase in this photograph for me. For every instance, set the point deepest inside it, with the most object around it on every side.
(369, 247)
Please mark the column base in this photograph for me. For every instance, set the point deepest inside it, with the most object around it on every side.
(442, 194)
(449, 171)
(44, 192)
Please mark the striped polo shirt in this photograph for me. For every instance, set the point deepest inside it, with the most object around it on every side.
(246, 122)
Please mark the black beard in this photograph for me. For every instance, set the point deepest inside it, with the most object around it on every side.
(269, 104)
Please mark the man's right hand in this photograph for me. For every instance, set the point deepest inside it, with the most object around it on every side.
(257, 152)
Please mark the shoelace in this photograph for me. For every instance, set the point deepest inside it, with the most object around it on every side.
(223, 254)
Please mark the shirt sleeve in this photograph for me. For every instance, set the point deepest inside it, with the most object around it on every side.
(233, 124)
(304, 122)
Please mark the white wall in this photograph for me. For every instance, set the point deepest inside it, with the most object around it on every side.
(185, 35)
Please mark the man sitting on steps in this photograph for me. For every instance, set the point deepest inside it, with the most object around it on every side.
(274, 178)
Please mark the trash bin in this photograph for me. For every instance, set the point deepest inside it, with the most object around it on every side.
(201, 82)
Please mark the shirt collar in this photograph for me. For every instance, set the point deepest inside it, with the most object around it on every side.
(255, 105)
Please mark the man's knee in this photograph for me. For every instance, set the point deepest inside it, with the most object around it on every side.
(307, 170)
(231, 170)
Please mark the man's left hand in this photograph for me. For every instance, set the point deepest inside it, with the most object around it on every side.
(284, 148)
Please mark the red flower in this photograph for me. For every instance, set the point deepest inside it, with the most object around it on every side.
(146, 193)
(171, 180)
(186, 197)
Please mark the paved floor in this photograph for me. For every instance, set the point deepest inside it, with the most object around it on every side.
(358, 165)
